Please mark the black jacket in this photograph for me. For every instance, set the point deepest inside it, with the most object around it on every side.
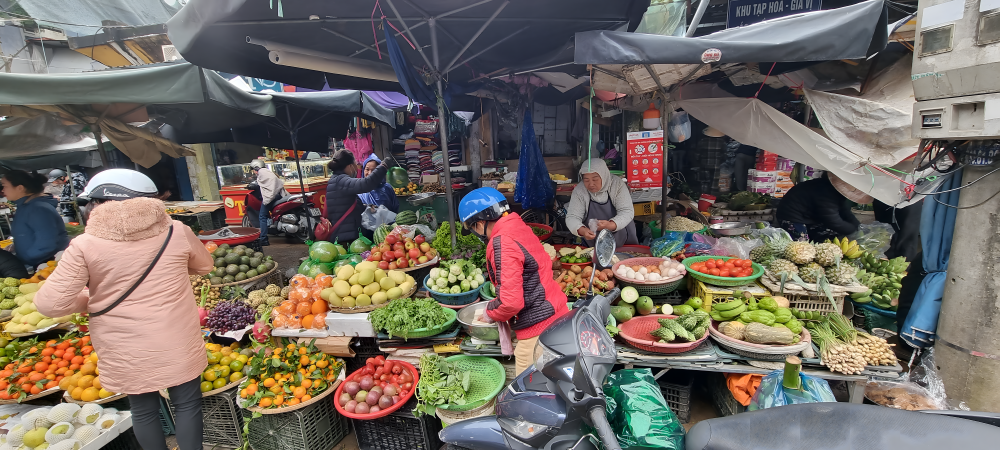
(341, 192)
(816, 202)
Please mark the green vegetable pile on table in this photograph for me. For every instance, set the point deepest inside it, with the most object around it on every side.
(401, 316)
(455, 277)
(758, 322)
(468, 246)
(441, 383)
(689, 327)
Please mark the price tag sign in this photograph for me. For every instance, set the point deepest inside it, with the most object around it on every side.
(644, 159)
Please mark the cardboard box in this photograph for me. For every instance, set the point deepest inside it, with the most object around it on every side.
(427, 179)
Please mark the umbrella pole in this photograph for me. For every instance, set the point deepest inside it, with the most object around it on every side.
(298, 168)
(443, 128)
(100, 145)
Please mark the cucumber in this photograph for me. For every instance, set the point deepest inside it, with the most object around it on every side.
(630, 294)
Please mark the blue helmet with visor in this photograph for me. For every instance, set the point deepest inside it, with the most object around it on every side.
(485, 203)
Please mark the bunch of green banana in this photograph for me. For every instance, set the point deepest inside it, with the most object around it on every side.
(729, 310)
(850, 248)
(882, 289)
(896, 265)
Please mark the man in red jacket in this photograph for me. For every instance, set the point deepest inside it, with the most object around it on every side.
(527, 295)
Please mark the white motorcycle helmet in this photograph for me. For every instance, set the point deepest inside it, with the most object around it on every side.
(119, 184)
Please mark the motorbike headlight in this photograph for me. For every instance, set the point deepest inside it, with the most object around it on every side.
(544, 355)
(526, 430)
(289, 218)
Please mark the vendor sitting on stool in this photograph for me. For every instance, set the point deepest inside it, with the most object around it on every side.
(818, 209)
(603, 198)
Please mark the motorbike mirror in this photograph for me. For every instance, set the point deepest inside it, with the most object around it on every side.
(604, 248)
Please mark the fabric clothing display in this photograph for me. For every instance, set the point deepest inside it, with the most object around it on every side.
(38, 230)
(342, 194)
(359, 144)
(159, 321)
(614, 193)
(815, 203)
(521, 270)
(382, 195)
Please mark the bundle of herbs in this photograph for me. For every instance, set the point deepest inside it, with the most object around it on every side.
(467, 246)
(400, 317)
(441, 383)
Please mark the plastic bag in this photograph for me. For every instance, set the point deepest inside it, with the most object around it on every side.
(374, 218)
(740, 248)
(534, 188)
(411, 231)
(673, 242)
(874, 237)
(679, 127)
(771, 393)
(639, 414)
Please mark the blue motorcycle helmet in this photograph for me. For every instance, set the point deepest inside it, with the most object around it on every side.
(485, 203)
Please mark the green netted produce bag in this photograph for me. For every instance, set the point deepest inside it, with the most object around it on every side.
(639, 414)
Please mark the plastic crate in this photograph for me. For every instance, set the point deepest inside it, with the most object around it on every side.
(815, 303)
(710, 293)
(222, 418)
(124, 441)
(676, 388)
(364, 348)
(722, 398)
(399, 431)
(316, 427)
(166, 418)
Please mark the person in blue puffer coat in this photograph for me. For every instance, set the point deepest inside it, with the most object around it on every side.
(38, 230)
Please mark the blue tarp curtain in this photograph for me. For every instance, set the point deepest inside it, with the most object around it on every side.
(937, 225)
(412, 82)
(534, 187)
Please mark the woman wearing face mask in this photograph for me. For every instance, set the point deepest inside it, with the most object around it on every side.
(382, 195)
(527, 295)
(38, 230)
(343, 207)
(605, 199)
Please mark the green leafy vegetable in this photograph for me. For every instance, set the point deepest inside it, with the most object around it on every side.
(399, 317)
(468, 246)
(441, 382)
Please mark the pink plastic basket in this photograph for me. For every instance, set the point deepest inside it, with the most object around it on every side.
(635, 332)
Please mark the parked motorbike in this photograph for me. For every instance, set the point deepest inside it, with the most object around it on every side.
(823, 426)
(293, 215)
(554, 404)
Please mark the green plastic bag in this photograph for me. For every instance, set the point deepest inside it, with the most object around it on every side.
(639, 414)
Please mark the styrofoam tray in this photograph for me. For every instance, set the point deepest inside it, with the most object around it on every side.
(349, 325)
(299, 332)
(124, 423)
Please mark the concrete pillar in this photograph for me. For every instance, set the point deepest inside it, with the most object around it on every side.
(201, 169)
(970, 309)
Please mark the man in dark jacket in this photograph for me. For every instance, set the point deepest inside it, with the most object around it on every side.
(527, 295)
(818, 209)
(343, 207)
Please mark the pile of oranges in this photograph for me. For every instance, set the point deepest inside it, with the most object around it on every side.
(304, 307)
(50, 364)
(225, 365)
(287, 376)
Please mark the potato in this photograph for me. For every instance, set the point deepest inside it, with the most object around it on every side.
(575, 269)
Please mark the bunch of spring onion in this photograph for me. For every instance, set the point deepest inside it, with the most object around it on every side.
(836, 353)
(876, 351)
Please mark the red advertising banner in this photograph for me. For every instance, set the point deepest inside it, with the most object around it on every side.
(644, 167)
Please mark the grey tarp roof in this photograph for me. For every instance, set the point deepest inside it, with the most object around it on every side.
(43, 142)
(71, 14)
(851, 32)
(192, 100)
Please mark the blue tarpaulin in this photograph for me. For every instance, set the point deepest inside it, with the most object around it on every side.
(937, 225)
(534, 187)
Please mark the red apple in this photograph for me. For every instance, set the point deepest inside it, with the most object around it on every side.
(375, 256)
(398, 247)
(388, 256)
(414, 253)
(409, 245)
(392, 266)
(401, 263)
(420, 239)
(391, 239)
(425, 247)
(432, 253)
(422, 259)
(384, 265)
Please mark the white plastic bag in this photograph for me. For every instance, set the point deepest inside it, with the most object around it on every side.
(374, 218)
(679, 127)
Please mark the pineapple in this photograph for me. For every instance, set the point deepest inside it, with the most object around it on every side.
(800, 253)
(783, 265)
(811, 272)
(828, 255)
(761, 255)
(272, 290)
(776, 246)
(841, 274)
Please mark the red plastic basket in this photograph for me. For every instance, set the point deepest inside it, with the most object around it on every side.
(567, 266)
(542, 226)
(635, 332)
(384, 412)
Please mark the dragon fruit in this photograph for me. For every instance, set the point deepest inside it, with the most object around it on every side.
(202, 311)
(261, 331)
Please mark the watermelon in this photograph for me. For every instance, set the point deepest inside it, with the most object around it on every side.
(381, 232)
(398, 177)
(406, 218)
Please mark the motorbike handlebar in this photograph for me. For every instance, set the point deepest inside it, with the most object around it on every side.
(613, 294)
(600, 422)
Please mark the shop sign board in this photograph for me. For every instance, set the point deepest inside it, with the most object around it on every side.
(746, 12)
(644, 163)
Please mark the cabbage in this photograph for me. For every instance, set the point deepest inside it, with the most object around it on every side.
(461, 277)
(455, 270)
(480, 279)
(435, 273)
(456, 289)
(465, 286)
(452, 279)
(323, 251)
(474, 285)
(442, 283)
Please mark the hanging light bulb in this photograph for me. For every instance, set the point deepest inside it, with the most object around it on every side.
(651, 118)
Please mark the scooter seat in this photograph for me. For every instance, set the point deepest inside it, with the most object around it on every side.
(823, 426)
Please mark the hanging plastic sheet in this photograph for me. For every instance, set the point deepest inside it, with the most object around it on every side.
(937, 226)
(534, 187)
(639, 414)
(771, 393)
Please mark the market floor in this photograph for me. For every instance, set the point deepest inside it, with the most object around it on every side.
(348, 443)
(287, 253)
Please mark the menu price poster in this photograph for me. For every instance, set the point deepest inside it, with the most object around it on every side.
(644, 167)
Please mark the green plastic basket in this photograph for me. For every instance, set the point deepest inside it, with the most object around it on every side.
(758, 270)
(487, 379)
(434, 331)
